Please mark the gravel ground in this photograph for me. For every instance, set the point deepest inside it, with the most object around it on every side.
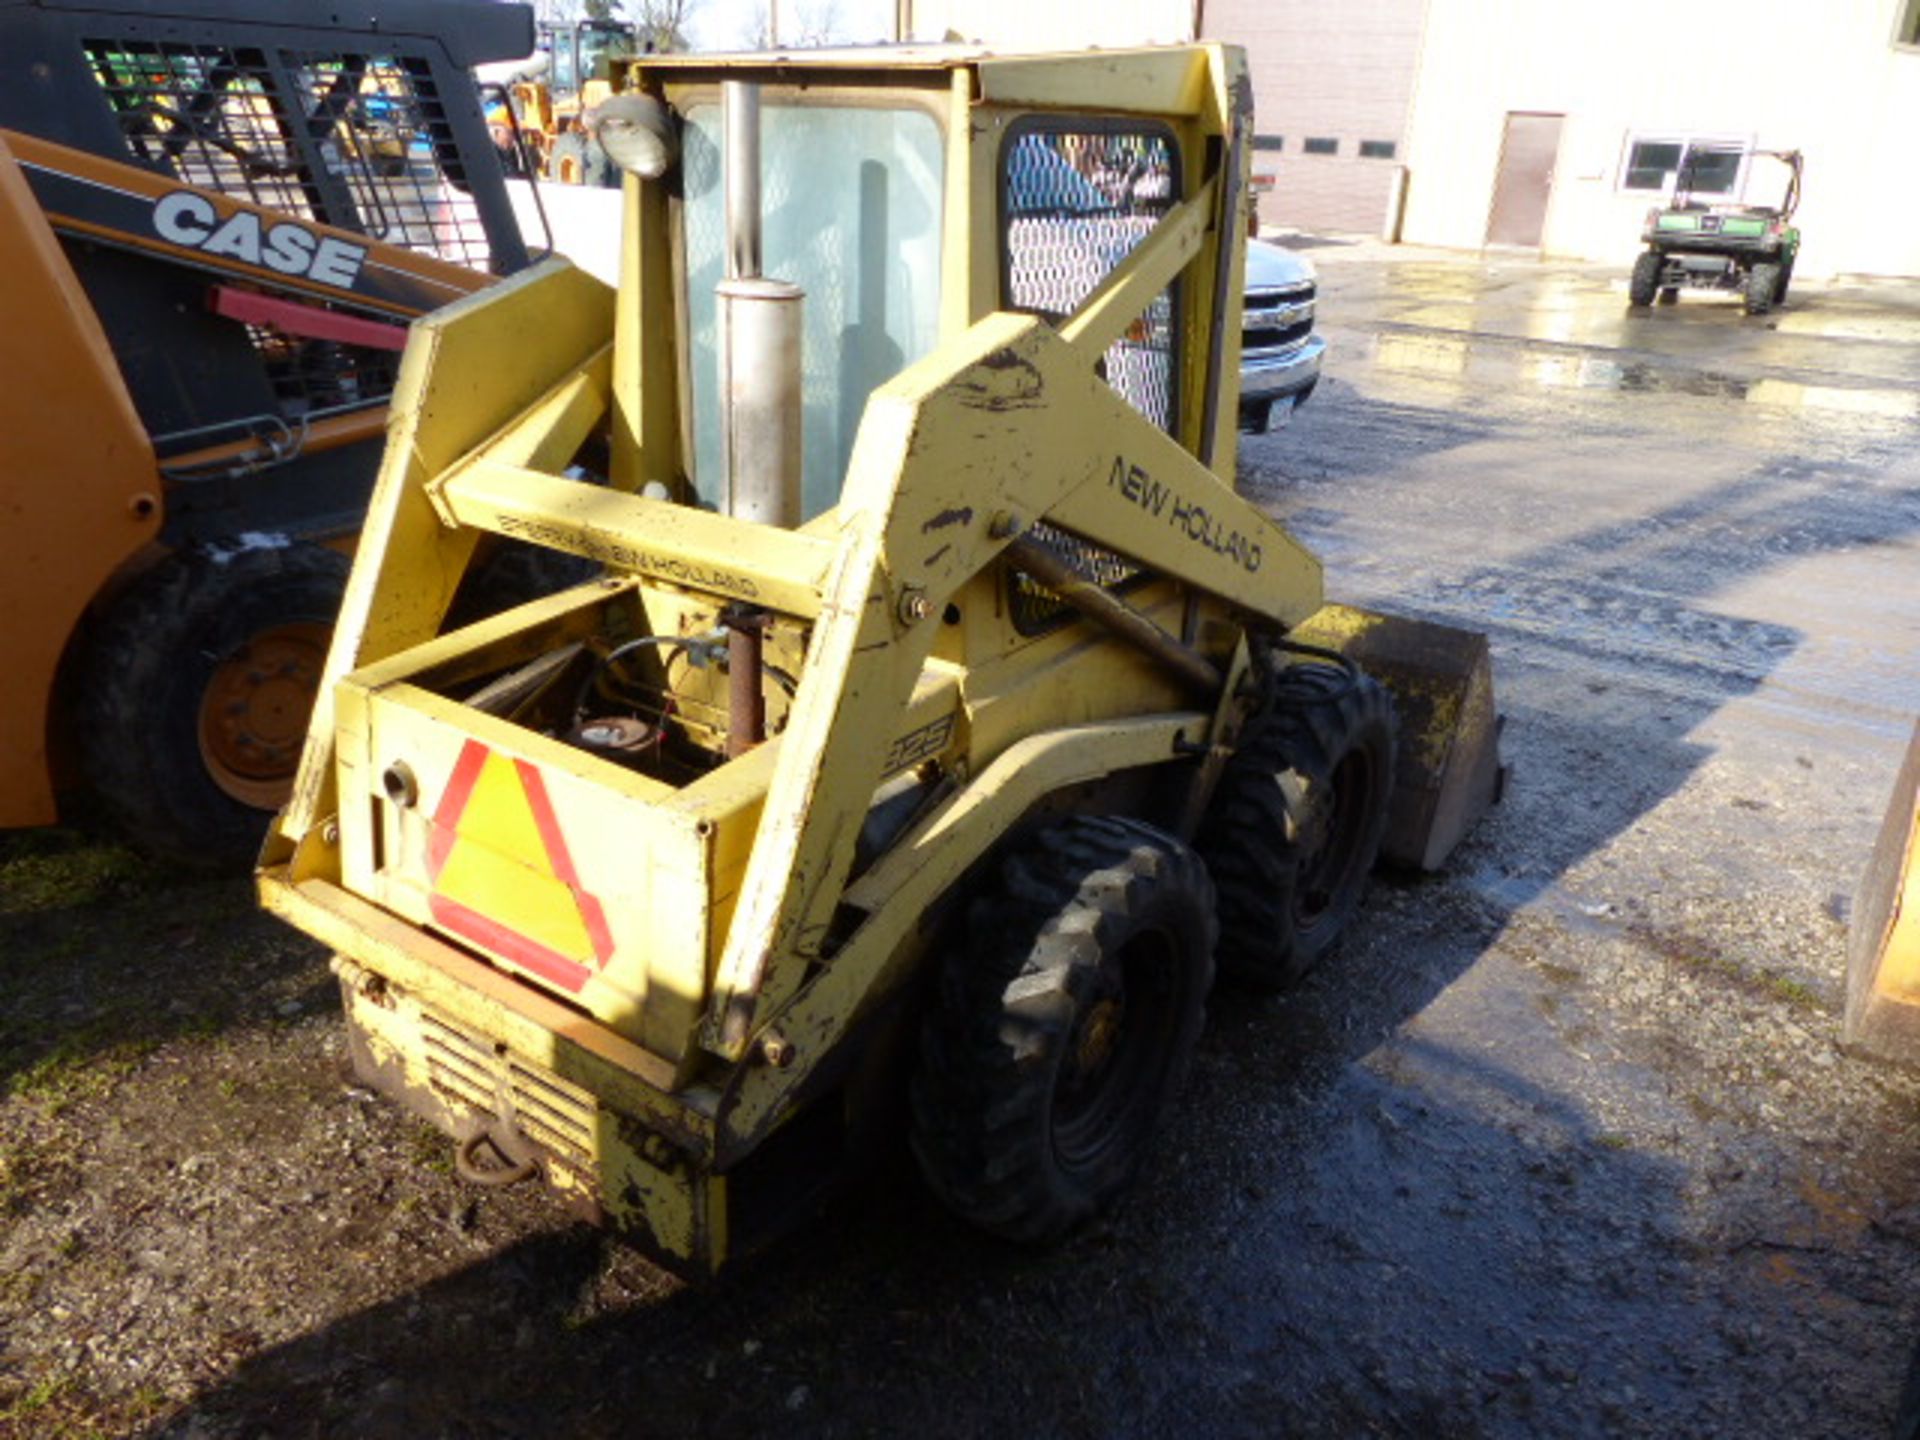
(1562, 1145)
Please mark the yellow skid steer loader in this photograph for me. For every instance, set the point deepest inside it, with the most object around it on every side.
(943, 718)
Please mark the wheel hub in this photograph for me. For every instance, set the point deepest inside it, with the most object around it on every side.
(253, 717)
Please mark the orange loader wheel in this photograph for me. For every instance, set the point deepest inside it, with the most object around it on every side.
(253, 716)
(194, 695)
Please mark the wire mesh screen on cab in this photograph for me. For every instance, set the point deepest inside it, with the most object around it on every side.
(351, 140)
(1075, 201)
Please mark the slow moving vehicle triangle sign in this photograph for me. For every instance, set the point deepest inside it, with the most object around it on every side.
(502, 876)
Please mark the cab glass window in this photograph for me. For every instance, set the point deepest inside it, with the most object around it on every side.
(851, 200)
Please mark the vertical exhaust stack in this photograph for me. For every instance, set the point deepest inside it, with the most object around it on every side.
(759, 339)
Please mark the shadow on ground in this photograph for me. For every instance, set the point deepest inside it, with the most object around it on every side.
(105, 956)
(1201, 1307)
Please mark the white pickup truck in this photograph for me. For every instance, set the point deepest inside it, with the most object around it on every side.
(1279, 352)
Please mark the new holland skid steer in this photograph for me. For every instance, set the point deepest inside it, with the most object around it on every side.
(216, 223)
(943, 719)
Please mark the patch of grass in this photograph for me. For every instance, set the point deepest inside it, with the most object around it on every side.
(18, 1287)
(31, 1165)
(1613, 1140)
(1792, 991)
(84, 1064)
(43, 1408)
(1703, 959)
(206, 1025)
(429, 1149)
(57, 1407)
(34, 880)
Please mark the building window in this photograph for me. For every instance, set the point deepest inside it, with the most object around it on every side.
(1377, 149)
(1267, 142)
(1321, 145)
(1700, 165)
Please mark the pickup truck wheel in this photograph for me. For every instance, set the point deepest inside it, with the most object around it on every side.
(1296, 823)
(1645, 281)
(1062, 1025)
(194, 694)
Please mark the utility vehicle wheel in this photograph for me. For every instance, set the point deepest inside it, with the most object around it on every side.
(1062, 1025)
(1645, 280)
(1786, 279)
(1762, 281)
(194, 697)
(1296, 823)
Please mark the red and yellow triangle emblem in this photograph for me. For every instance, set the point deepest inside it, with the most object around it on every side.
(502, 876)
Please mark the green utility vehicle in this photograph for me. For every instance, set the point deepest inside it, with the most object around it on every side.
(1713, 245)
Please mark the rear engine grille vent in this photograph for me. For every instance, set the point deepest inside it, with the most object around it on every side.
(554, 1114)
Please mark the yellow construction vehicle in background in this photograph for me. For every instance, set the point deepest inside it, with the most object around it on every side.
(943, 719)
(555, 95)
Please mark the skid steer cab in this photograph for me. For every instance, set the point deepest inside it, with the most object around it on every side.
(942, 721)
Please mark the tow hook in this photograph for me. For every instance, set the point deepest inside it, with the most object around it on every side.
(511, 1157)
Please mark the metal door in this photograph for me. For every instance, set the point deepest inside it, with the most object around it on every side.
(1520, 191)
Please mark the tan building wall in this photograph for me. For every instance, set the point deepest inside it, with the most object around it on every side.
(1048, 25)
(1774, 74)
(1328, 71)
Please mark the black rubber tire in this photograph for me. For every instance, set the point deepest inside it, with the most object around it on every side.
(1761, 283)
(1644, 283)
(147, 670)
(1906, 1415)
(1063, 1025)
(1786, 279)
(1296, 823)
(511, 573)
